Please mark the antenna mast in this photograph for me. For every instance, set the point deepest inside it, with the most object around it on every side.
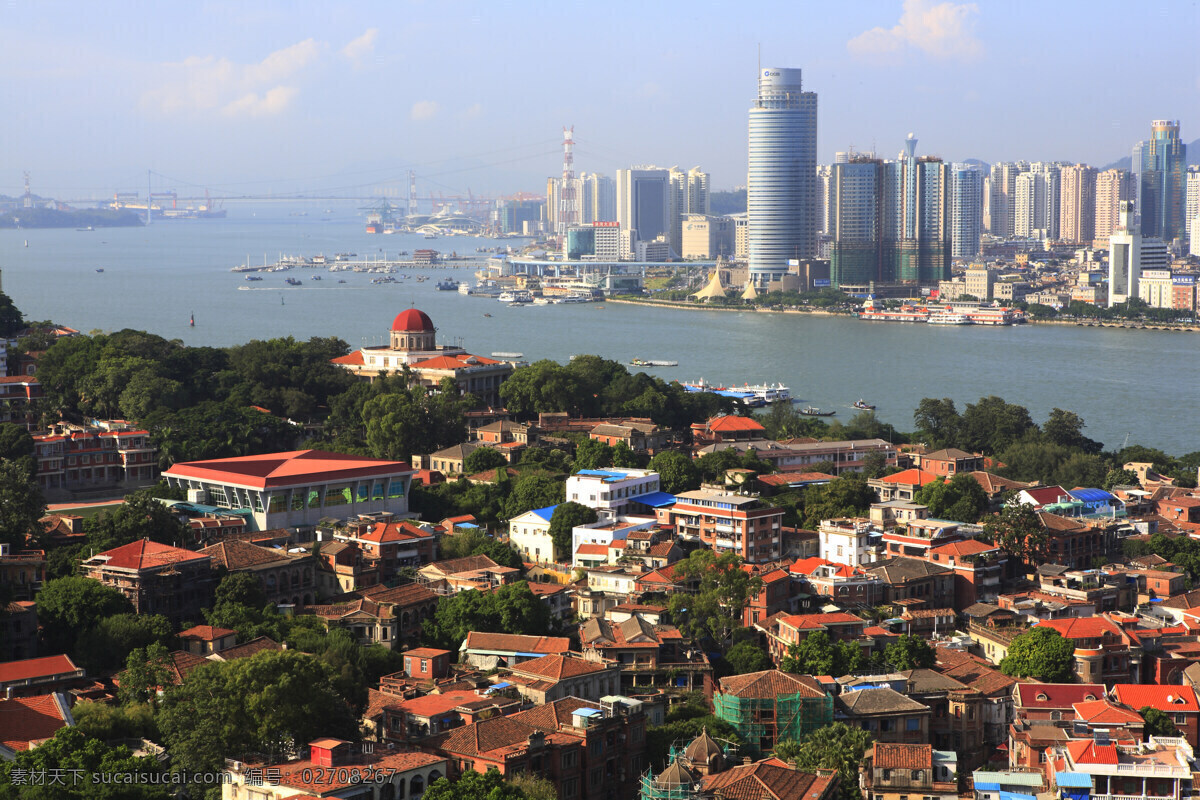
(568, 207)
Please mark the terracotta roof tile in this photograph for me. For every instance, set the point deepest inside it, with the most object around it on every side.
(145, 554)
(256, 645)
(557, 667)
(1057, 695)
(33, 668)
(234, 554)
(286, 469)
(1164, 698)
(26, 721)
(731, 422)
(767, 781)
(205, 633)
(902, 756)
(770, 684)
(517, 643)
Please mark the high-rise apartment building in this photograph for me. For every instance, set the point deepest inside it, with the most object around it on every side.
(1113, 186)
(856, 197)
(598, 198)
(1077, 205)
(1192, 207)
(1128, 254)
(1002, 197)
(1035, 202)
(1162, 187)
(922, 253)
(782, 194)
(966, 209)
(689, 195)
(824, 174)
(644, 201)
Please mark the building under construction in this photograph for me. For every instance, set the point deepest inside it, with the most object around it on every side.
(767, 707)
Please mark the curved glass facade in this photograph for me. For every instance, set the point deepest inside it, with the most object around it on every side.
(782, 185)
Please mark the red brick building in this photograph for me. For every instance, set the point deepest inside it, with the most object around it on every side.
(726, 523)
(157, 578)
(1177, 702)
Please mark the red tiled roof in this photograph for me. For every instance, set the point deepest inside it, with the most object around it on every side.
(1057, 695)
(770, 684)
(814, 621)
(592, 550)
(807, 566)
(26, 721)
(285, 469)
(33, 668)
(145, 554)
(1102, 712)
(1164, 698)
(902, 756)
(412, 320)
(786, 478)
(205, 633)
(557, 667)
(732, 422)
(1082, 627)
(234, 554)
(1045, 494)
(461, 361)
(1086, 751)
(516, 643)
(967, 547)
(432, 704)
(766, 781)
(911, 477)
(395, 532)
(323, 782)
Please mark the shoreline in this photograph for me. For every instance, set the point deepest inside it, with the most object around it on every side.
(1125, 324)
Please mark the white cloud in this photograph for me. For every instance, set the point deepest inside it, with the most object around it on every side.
(362, 47)
(423, 110)
(473, 111)
(944, 31)
(201, 84)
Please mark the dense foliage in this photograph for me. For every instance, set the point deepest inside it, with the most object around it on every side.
(819, 654)
(512, 608)
(838, 747)
(715, 609)
(1040, 653)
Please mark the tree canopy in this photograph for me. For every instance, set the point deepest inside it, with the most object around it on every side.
(1018, 531)
(566, 517)
(512, 608)
(714, 611)
(819, 654)
(961, 498)
(1040, 653)
(838, 747)
(69, 606)
(909, 651)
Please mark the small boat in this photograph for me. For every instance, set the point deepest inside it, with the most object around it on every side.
(315, 278)
(88, 228)
(254, 277)
(502, 354)
(813, 411)
(487, 315)
(192, 321)
(447, 285)
(515, 304)
(27, 243)
(99, 269)
(859, 403)
(293, 282)
(646, 362)
(341, 281)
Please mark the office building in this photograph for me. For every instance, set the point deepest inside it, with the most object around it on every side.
(1162, 182)
(856, 218)
(706, 237)
(824, 176)
(599, 198)
(1156, 287)
(512, 213)
(1077, 204)
(1113, 187)
(782, 193)
(689, 195)
(644, 201)
(1192, 207)
(1124, 257)
(606, 240)
(966, 209)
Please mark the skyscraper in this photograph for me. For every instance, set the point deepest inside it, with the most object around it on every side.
(1192, 207)
(1035, 202)
(1162, 181)
(856, 218)
(1112, 187)
(689, 195)
(921, 210)
(966, 209)
(782, 195)
(1077, 207)
(1003, 196)
(644, 201)
(1124, 256)
(599, 198)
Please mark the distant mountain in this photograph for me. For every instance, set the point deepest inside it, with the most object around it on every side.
(1193, 158)
(984, 166)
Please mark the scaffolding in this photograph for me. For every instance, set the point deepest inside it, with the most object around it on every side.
(764, 722)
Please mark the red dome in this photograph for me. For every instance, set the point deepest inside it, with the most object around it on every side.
(412, 321)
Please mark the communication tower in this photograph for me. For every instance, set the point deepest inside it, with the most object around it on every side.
(568, 203)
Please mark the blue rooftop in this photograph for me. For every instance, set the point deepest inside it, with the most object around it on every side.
(1073, 780)
(545, 513)
(607, 474)
(655, 499)
(587, 712)
(1091, 495)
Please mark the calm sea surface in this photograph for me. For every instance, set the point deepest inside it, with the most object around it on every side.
(1140, 384)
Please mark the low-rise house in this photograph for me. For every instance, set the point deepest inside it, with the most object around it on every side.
(770, 778)
(640, 436)
(389, 545)
(1103, 653)
(902, 486)
(26, 722)
(852, 541)
(36, 676)
(157, 578)
(616, 491)
(915, 538)
(896, 771)
(1099, 716)
(767, 707)
(204, 640)
(529, 533)
(891, 513)
(994, 686)
(648, 655)
(559, 599)
(284, 577)
(725, 522)
(367, 621)
(774, 596)
(451, 460)
(956, 717)
(22, 572)
(335, 768)
(18, 631)
(1029, 741)
(409, 606)
(587, 750)
(885, 713)
(1160, 768)
(1052, 702)
(1007, 784)
(470, 572)
(928, 622)
(784, 630)
(842, 584)
(426, 663)
(549, 678)
(1177, 702)
(977, 567)
(491, 650)
(913, 579)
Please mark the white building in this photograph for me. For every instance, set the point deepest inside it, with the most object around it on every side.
(1156, 287)
(605, 532)
(966, 209)
(612, 491)
(853, 542)
(1124, 257)
(599, 198)
(644, 201)
(529, 533)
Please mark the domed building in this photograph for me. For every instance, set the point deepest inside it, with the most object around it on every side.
(412, 343)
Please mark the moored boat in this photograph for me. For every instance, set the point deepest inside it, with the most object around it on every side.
(813, 411)
(865, 406)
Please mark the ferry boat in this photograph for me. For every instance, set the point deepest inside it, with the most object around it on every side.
(447, 285)
(515, 297)
(948, 316)
(384, 279)
(813, 411)
(254, 277)
(465, 289)
(505, 355)
(293, 282)
(647, 362)
(315, 278)
(906, 312)
(863, 405)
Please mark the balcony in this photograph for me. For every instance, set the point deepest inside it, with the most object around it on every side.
(1132, 797)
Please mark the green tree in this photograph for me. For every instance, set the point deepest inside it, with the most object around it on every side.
(1040, 653)
(1018, 531)
(512, 608)
(838, 747)
(543, 386)
(1066, 428)
(1158, 722)
(845, 496)
(474, 786)
(107, 644)
(747, 656)
(623, 456)
(961, 498)
(72, 753)
(108, 721)
(141, 516)
(991, 425)
(482, 459)
(15, 443)
(715, 610)
(147, 670)
(567, 516)
(11, 320)
(593, 454)
(660, 738)
(67, 606)
(938, 422)
(909, 651)
(265, 703)
(475, 541)
(533, 491)
(1119, 477)
(21, 503)
(531, 787)
(819, 654)
(677, 472)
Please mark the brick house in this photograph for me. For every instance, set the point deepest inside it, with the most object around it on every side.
(774, 596)
(285, 577)
(886, 714)
(950, 461)
(898, 771)
(784, 630)
(549, 678)
(726, 522)
(157, 578)
(1177, 702)
(910, 578)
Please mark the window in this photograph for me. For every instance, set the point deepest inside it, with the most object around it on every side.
(569, 758)
(1180, 719)
(913, 724)
(597, 776)
(887, 774)
(570, 787)
(916, 775)
(596, 748)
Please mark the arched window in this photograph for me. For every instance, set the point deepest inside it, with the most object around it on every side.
(433, 776)
(295, 580)
(270, 583)
(416, 786)
(400, 789)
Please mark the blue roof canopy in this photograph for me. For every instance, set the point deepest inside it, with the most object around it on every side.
(1091, 495)
(545, 513)
(1073, 780)
(656, 499)
(986, 787)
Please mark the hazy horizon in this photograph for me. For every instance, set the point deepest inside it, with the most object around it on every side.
(346, 98)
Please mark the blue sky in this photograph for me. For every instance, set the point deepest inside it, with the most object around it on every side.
(249, 97)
